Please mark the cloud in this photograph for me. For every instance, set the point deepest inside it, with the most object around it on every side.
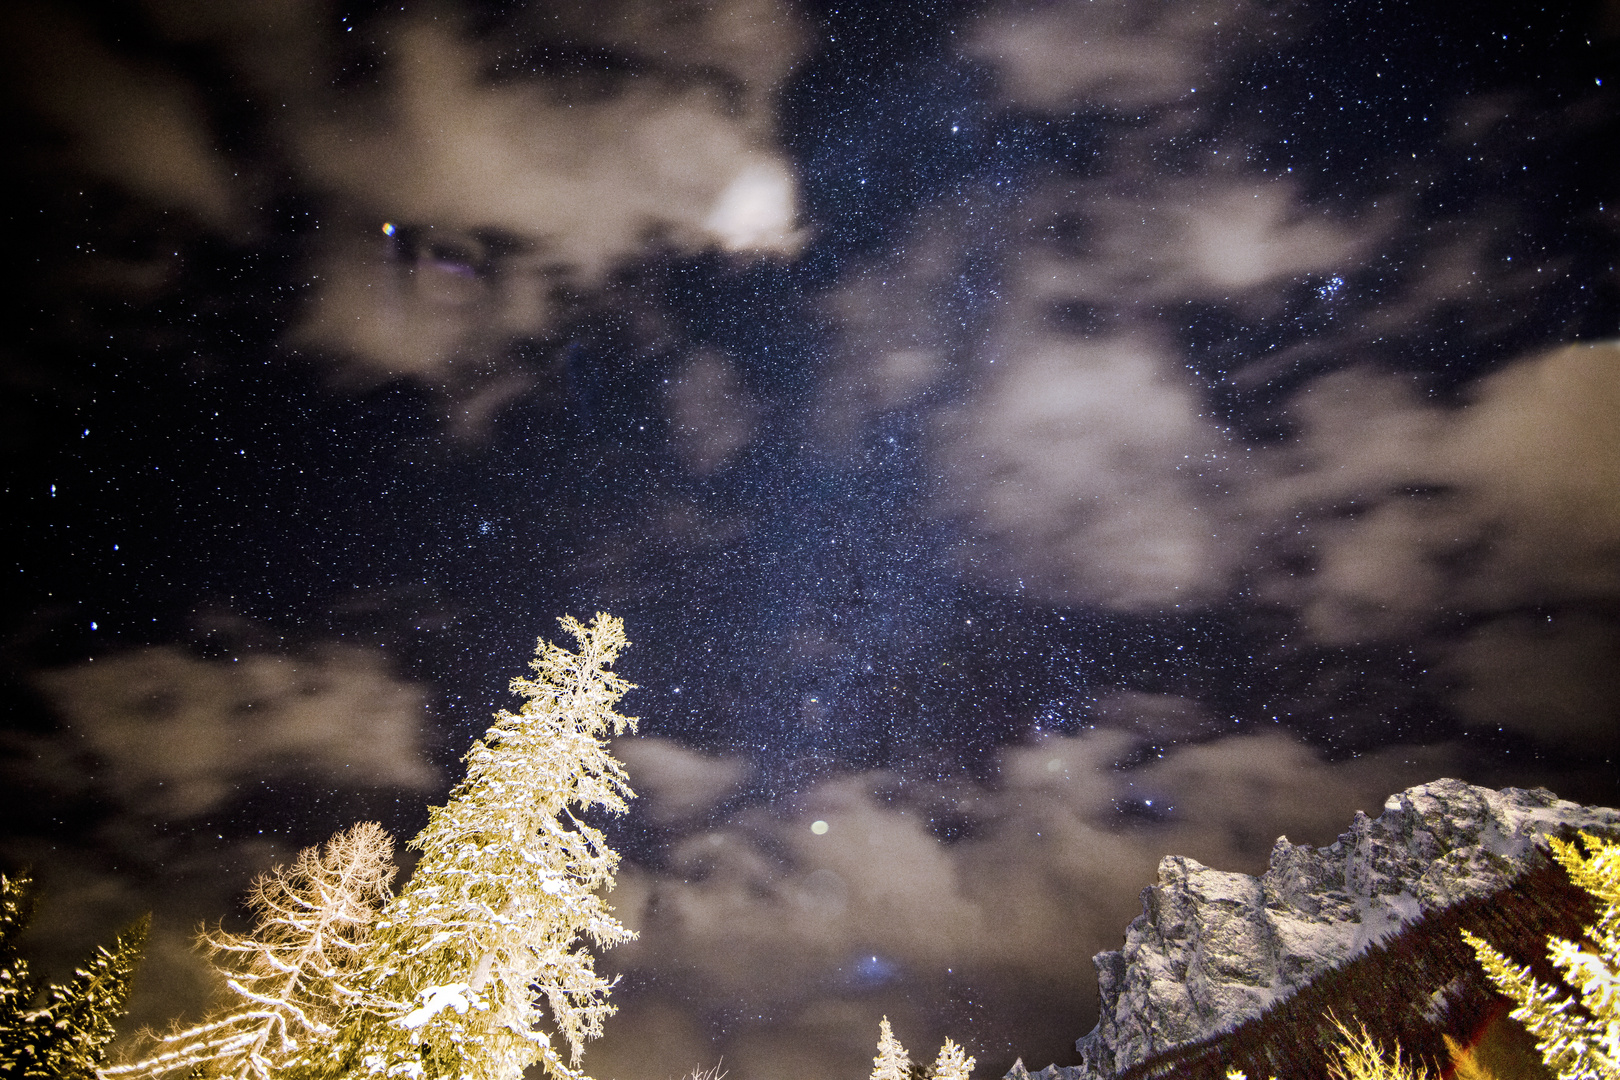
(592, 179)
(1398, 511)
(1075, 436)
(122, 121)
(1133, 239)
(1162, 719)
(439, 306)
(154, 741)
(796, 941)
(179, 736)
(905, 321)
(1085, 471)
(676, 785)
(1072, 441)
(582, 182)
(755, 211)
(1537, 442)
(748, 46)
(712, 415)
(465, 138)
(1112, 54)
(84, 902)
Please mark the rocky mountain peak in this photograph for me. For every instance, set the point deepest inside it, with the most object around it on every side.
(1212, 948)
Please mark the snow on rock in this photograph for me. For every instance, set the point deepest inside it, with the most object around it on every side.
(1212, 949)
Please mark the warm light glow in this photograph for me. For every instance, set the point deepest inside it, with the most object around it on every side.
(755, 213)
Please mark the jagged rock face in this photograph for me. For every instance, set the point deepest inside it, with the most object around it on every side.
(1212, 949)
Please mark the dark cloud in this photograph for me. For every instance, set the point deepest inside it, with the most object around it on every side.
(1550, 677)
(134, 124)
(179, 735)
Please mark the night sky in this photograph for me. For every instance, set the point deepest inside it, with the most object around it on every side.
(1032, 439)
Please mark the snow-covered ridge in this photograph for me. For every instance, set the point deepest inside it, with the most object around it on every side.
(1212, 949)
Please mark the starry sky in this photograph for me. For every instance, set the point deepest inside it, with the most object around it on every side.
(1023, 439)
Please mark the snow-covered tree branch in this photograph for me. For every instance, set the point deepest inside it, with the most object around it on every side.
(286, 975)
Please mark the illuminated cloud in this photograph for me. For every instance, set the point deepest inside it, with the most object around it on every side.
(749, 46)
(674, 784)
(443, 311)
(1227, 236)
(755, 212)
(1074, 446)
(1086, 472)
(462, 137)
(179, 735)
(1512, 499)
(592, 180)
(584, 181)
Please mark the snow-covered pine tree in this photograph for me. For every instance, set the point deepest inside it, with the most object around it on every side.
(952, 1063)
(510, 878)
(68, 1038)
(16, 988)
(311, 921)
(1578, 1037)
(892, 1061)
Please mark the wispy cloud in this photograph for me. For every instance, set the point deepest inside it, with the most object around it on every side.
(135, 125)
(712, 415)
(1115, 54)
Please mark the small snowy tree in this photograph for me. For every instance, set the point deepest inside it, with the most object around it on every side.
(68, 1038)
(510, 878)
(311, 922)
(1359, 1056)
(952, 1063)
(892, 1061)
(1578, 1037)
